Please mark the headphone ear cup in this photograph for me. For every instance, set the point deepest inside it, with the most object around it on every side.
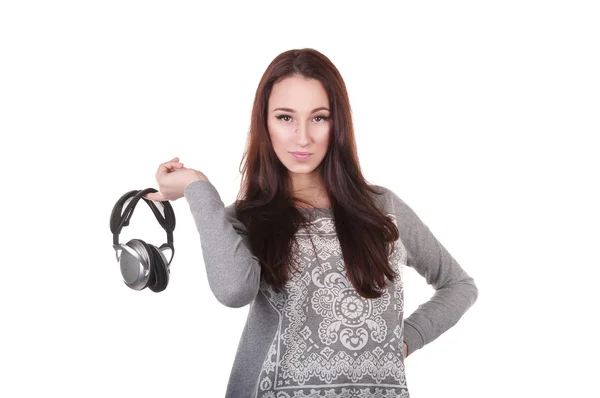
(160, 270)
(136, 274)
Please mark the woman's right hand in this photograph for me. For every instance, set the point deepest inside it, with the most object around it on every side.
(172, 179)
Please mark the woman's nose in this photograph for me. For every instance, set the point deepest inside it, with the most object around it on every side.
(302, 135)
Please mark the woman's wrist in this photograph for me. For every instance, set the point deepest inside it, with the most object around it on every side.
(198, 177)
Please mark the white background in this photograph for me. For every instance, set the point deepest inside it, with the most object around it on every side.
(482, 116)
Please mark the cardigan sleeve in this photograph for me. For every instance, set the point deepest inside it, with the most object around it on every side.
(455, 290)
(233, 271)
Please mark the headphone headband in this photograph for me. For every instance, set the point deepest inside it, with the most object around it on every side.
(120, 219)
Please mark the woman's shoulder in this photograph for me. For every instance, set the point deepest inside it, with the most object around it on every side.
(384, 196)
(391, 202)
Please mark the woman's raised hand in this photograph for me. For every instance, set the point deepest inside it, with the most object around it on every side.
(172, 179)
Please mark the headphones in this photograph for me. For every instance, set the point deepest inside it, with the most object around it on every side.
(142, 264)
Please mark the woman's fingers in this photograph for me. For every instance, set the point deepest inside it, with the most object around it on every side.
(166, 167)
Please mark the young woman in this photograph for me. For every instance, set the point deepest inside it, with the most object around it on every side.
(316, 250)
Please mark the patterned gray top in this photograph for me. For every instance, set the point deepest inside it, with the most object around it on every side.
(318, 337)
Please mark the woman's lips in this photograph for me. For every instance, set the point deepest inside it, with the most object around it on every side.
(300, 156)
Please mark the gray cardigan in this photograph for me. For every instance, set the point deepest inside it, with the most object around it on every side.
(317, 337)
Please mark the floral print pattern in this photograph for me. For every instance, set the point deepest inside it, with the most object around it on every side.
(332, 342)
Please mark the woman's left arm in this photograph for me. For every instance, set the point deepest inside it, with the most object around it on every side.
(455, 290)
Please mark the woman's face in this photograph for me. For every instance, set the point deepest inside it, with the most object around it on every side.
(298, 120)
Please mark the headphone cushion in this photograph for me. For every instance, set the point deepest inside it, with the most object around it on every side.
(160, 270)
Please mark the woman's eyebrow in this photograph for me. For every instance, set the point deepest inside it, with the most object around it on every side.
(322, 108)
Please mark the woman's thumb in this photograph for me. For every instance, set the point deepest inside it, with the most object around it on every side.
(155, 196)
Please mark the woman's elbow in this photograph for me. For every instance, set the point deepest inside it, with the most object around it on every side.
(236, 297)
(473, 290)
(233, 301)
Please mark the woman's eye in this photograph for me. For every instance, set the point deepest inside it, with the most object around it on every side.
(286, 118)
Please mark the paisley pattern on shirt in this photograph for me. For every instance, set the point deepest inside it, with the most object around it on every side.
(352, 346)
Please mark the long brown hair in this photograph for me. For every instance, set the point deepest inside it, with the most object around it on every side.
(265, 202)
